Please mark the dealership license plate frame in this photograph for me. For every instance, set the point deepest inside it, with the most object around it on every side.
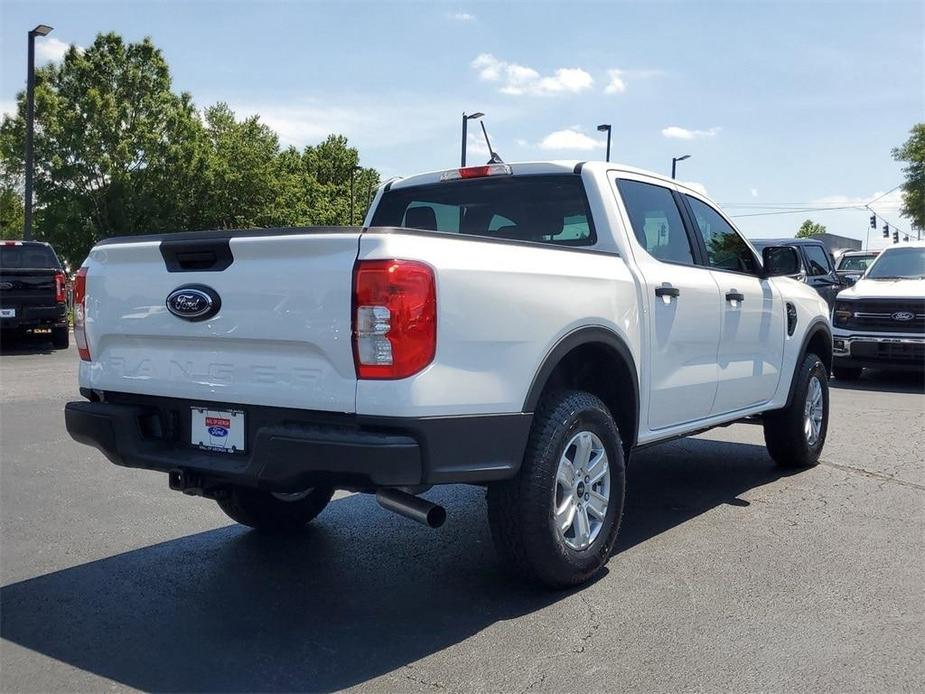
(205, 424)
(7, 313)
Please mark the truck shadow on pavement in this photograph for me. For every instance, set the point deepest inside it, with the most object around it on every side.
(885, 381)
(32, 344)
(360, 594)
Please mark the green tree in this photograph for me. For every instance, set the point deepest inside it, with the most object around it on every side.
(810, 228)
(913, 153)
(113, 145)
(11, 213)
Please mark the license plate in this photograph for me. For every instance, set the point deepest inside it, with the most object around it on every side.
(7, 313)
(217, 430)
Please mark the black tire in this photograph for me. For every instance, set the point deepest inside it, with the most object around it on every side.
(521, 510)
(847, 373)
(60, 337)
(270, 514)
(784, 430)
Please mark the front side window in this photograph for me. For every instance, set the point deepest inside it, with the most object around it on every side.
(726, 249)
(538, 208)
(656, 221)
(818, 260)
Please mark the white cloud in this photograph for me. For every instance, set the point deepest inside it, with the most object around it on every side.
(7, 107)
(50, 49)
(570, 139)
(674, 132)
(888, 204)
(517, 79)
(475, 144)
(616, 85)
(754, 192)
(462, 17)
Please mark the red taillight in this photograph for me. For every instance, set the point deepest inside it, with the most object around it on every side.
(476, 172)
(394, 318)
(60, 287)
(80, 314)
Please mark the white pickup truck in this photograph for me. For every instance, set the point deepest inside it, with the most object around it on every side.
(524, 327)
(880, 321)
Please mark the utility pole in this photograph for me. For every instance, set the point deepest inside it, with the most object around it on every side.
(40, 30)
(465, 133)
(605, 127)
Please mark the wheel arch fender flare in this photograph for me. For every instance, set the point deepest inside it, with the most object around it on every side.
(818, 328)
(588, 335)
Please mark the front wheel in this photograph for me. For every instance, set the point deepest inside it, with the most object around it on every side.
(274, 513)
(796, 434)
(556, 522)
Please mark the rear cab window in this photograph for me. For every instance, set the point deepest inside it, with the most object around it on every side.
(538, 208)
(28, 256)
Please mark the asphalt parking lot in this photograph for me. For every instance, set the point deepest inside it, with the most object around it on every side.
(731, 575)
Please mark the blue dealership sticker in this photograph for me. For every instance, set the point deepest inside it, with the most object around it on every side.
(218, 431)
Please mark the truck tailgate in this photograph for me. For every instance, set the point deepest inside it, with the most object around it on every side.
(282, 336)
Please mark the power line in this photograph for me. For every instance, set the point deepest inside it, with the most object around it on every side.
(800, 211)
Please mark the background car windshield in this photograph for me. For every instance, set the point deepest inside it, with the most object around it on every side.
(28, 256)
(899, 263)
(543, 209)
(856, 262)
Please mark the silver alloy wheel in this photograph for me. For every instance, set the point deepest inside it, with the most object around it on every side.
(582, 490)
(813, 411)
(292, 496)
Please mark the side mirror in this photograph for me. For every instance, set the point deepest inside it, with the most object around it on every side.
(780, 261)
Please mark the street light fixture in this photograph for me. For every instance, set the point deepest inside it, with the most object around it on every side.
(465, 128)
(606, 127)
(40, 30)
(674, 163)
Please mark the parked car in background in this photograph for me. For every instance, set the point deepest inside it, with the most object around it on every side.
(852, 265)
(33, 291)
(818, 264)
(880, 321)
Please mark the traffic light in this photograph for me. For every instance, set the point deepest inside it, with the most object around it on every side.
(886, 230)
(873, 221)
(895, 237)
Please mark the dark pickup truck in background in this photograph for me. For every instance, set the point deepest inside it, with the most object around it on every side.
(818, 265)
(33, 291)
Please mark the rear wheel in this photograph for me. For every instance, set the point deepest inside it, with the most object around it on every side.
(60, 337)
(556, 522)
(275, 513)
(847, 373)
(796, 434)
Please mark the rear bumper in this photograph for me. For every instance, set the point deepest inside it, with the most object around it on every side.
(289, 450)
(36, 317)
(878, 351)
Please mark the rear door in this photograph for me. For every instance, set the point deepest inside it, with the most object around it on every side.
(682, 303)
(281, 336)
(751, 340)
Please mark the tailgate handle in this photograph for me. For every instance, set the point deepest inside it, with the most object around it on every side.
(196, 255)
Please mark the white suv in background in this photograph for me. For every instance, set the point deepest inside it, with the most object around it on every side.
(880, 322)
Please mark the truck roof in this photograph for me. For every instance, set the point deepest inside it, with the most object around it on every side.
(543, 167)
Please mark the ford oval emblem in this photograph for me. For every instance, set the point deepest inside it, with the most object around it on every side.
(218, 431)
(903, 315)
(193, 302)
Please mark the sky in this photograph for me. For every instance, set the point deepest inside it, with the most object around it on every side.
(780, 105)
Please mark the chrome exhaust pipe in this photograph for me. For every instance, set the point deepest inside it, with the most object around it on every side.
(413, 507)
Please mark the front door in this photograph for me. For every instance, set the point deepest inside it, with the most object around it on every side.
(751, 343)
(682, 306)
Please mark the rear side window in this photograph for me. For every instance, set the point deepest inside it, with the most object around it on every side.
(656, 221)
(818, 260)
(28, 256)
(540, 208)
(726, 249)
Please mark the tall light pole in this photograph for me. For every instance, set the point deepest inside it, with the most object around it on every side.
(353, 173)
(40, 30)
(674, 163)
(465, 129)
(606, 127)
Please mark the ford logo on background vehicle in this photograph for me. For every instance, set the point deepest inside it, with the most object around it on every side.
(903, 315)
(218, 431)
(193, 302)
